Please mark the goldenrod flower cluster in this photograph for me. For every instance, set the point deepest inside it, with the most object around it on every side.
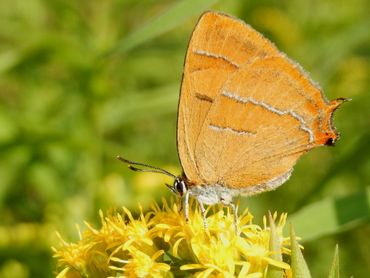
(160, 243)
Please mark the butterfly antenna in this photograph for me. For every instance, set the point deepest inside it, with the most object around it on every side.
(152, 169)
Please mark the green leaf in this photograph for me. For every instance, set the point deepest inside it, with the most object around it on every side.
(275, 246)
(334, 271)
(298, 264)
(332, 215)
(168, 20)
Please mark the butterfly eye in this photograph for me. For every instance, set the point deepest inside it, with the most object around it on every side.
(180, 187)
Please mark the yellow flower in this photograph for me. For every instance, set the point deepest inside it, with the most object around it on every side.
(141, 265)
(160, 243)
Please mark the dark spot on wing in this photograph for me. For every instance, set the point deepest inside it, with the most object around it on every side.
(203, 97)
(330, 142)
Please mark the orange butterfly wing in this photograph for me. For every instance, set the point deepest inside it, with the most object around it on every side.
(246, 113)
(217, 48)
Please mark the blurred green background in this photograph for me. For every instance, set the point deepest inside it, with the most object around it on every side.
(83, 81)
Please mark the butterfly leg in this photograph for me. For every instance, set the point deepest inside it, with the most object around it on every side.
(180, 204)
(203, 210)
(186, 206)
(234, 208)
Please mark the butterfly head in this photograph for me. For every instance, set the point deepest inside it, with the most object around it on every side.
(179, 187)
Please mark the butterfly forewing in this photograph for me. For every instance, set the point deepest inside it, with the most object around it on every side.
(218, 47)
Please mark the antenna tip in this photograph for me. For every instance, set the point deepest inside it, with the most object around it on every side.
(120, 158)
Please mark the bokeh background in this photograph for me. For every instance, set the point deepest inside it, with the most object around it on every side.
(83, 81)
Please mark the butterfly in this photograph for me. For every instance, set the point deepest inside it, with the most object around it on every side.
(246, 114)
